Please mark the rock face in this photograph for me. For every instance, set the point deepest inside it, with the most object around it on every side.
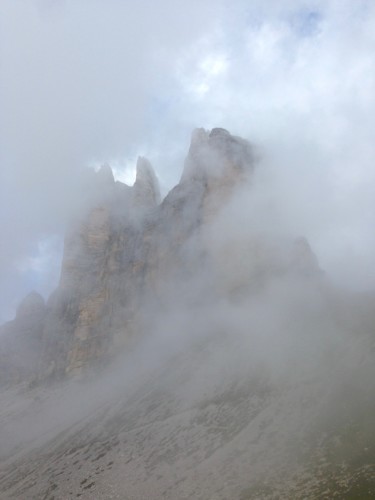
(241, 373)
(21, 341)
(129, 250)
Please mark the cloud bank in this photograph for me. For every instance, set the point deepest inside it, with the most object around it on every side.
(87, 82)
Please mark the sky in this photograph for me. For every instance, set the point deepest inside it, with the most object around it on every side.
(84, 82)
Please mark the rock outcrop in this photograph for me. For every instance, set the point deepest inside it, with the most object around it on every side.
(241, 374)
(21, 341)
(129, 250)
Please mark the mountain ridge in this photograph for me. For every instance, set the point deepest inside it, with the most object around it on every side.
(187, 353)
(127, 235)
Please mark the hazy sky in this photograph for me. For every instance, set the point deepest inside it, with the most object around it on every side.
(90, 81)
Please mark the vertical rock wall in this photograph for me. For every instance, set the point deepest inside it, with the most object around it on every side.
(129, 254)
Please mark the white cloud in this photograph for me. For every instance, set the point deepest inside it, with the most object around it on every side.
(96, 81)
(207, 71)
(308, 100)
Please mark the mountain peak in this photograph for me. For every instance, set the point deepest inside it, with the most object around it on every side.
(215, 154)
(146, 186)
(219, 132)
(31, 305)
(105, 174)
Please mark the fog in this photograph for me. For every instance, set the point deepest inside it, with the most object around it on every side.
(279, 305)
(249, 353)
(84, 83)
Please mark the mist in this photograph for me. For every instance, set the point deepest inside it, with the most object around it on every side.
(252, 352)
(238, 309)
(85, 83)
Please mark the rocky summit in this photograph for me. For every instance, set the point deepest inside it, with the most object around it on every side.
(122, 252)
(189, 351)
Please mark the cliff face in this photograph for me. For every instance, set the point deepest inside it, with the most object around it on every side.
(21, 341)
(128, 251)
(93, 307)
(243, 374)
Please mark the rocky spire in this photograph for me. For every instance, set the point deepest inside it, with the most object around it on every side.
(219, 162)
(105, 174)
(146, 187)
(127, 250)
(217, 154)
(32, 305)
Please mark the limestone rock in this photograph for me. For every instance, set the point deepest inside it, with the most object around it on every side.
(128, 252)
(146, 187)
(255, 381)
(220, 161)
(33, 305)
(21, 341)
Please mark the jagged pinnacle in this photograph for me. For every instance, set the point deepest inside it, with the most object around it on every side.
(146, 187)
